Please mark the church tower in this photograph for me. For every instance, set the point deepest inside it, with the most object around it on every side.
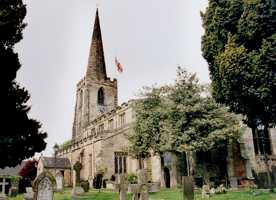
(96, 93)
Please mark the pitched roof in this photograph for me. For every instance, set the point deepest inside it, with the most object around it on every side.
(11, 171)
(51, 162)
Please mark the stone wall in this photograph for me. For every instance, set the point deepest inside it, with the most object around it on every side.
(257, 161)
(96, 150)
(86, 108)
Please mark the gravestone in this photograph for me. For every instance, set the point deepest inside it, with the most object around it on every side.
(29, 195)
(77, 190)
(44, 186)
(205, 192)
(13, 191)
(233, 182)
(4, 183)
(188, 187)
(143, 186)
(59, 181)
(3, 196)
(122, 186)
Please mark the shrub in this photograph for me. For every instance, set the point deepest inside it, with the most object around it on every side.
(97, 181)
(112, 178)
(132, 178)
(85, 185)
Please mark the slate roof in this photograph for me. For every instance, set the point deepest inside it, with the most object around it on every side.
(11, 171)
(51, 162)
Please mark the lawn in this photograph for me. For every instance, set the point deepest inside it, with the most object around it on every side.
(165, 194)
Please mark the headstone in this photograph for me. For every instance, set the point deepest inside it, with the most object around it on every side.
(212, 191)
(188, 187)
(143, 184)
(77, 167)
(44, 186)
(233, 182)
(205, 192)
(3, 197)
(13, 191)
(122, 186)
(29, 195)
(221, 189)
(59, 181)
(77, 190)
(4, 184)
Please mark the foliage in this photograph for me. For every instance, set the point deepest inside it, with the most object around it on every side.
(97, 181)
(181, 117)
(77, 166)
(132, 178)
(29, 169)
(239, 45)
(112, 178)
(65, 144)
(85, 185)
(19, 132)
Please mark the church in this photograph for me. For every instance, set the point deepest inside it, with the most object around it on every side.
(101, 128)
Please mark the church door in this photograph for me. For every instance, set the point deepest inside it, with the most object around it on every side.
(167, 177)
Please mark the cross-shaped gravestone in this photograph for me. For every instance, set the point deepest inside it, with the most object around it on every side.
(77, 167)
(77, 190)
(143, 187)
(4, 183)
(122, 186)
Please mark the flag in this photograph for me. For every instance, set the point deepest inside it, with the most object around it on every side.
(118, 65)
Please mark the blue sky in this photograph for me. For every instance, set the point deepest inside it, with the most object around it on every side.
(149, 37)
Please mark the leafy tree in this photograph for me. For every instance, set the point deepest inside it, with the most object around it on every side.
(182, 117)
(20, 135)
(239, 45)
(29, 170)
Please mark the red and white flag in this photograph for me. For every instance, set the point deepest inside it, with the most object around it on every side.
(118, 65)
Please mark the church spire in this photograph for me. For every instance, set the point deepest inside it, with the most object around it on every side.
(96, 63)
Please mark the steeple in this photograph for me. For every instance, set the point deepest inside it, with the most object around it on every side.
(96, 63)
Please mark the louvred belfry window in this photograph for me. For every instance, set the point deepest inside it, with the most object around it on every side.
(101, 97)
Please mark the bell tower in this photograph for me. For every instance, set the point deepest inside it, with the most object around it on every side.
(96, 93)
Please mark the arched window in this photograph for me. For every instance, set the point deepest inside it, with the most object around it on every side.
(101, 97)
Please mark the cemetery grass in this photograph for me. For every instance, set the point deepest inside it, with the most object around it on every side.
(165, 194)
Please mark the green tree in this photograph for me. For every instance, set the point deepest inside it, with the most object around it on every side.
(20, 135)
(182, 117)
(239, 45)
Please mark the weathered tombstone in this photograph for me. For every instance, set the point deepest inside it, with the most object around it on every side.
(77, 190)
(221, 189)
(59, 181)
(44, 186)
(143, 185)
(233, 182)
(3, 196)
(205, 192)
(122, 186)
(13, 191)
(29, 195)
(188, 187)
(4, 183)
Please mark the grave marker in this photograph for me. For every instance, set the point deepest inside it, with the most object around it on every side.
(44, 186)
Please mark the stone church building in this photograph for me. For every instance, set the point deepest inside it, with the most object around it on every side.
(101, 128)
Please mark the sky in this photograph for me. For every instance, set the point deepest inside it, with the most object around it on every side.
(150, 38)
